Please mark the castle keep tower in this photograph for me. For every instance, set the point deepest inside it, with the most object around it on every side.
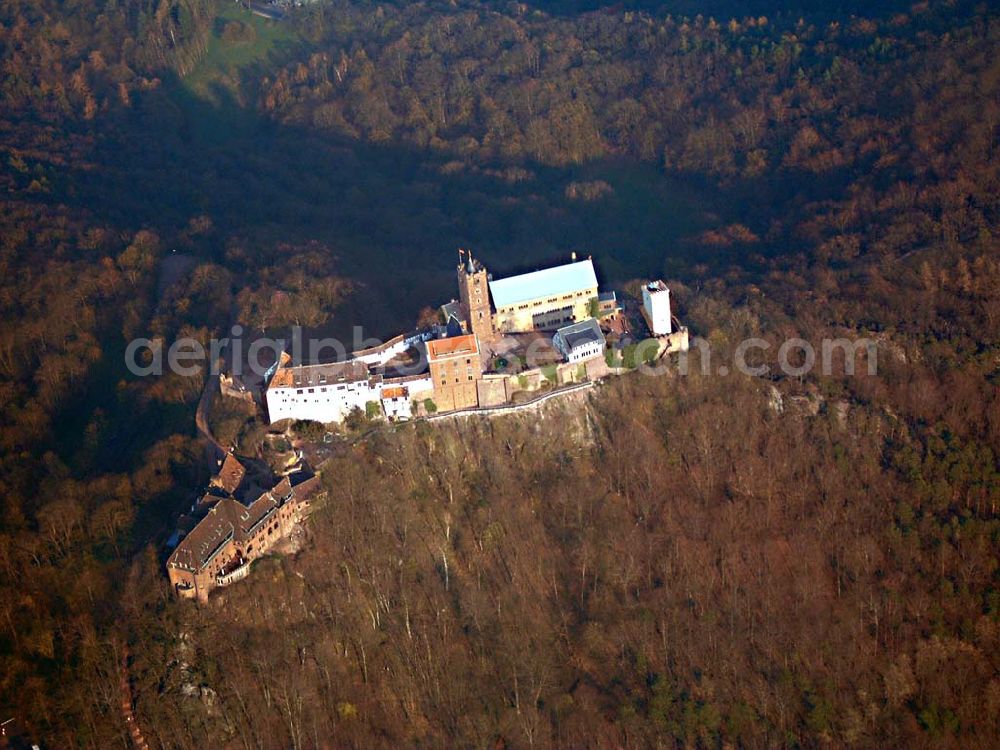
(474, 296)
(656, 305)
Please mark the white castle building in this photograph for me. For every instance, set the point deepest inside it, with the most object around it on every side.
(322, 393)
(580, 341)
(656, 305)
(329, 392)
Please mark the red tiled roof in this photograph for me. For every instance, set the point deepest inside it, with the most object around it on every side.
(456, 346)
(311, 375)
(230, 474)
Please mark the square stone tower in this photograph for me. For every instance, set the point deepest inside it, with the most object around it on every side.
(474, 296)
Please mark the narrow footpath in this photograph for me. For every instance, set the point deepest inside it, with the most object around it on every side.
(138, 741)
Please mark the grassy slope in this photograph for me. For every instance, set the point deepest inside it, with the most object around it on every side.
(226, 61)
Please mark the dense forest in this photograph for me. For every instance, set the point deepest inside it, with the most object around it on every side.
(697, 561)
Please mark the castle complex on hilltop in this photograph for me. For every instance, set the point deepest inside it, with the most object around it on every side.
(463, 363)
(559, 311)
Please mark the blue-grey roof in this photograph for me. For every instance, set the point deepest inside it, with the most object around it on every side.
(580, 334)
(548, 282)
(451, 308)
(454, 328)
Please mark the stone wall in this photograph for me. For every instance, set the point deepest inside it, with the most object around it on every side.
(493, 390)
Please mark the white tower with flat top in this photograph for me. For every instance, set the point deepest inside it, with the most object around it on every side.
(656, 302)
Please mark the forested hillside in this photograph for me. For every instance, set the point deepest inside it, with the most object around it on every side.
(681, 566)
(702, 561)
